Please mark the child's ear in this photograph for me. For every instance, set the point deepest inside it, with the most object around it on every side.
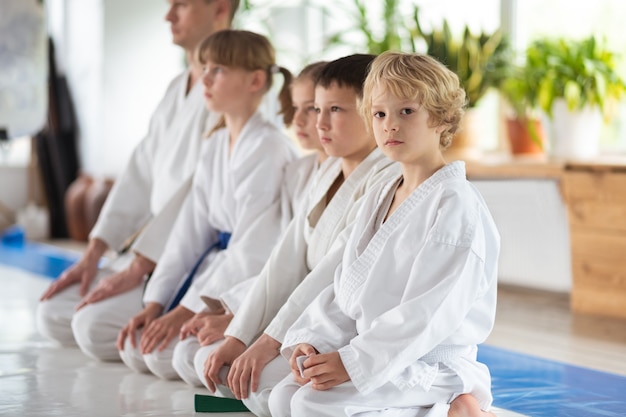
(440, 129)
(222, 11)
(258, 80)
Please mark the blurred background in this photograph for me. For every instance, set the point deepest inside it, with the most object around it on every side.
(117, 56)
(109, 62)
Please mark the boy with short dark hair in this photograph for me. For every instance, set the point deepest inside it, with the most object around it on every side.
(303, 262)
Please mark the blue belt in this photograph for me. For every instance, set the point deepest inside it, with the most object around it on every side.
(222, 243)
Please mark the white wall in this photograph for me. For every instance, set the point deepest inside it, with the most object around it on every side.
(533, 224)
(119, 59)
(14, 186)
(140, 61)
(23, 62)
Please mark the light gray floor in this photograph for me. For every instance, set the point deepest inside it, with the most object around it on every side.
(541, 324)
(40, 379)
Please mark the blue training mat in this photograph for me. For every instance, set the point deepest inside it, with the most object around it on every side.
(544, 388)
(38, 258)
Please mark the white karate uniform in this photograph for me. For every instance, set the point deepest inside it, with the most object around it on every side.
(145, 199)
(303, 263)
(234, 191)
(410, 302)
(298, 178)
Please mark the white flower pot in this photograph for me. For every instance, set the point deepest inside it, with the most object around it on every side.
(575, 135)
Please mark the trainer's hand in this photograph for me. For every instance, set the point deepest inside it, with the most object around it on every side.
(82, 272)
(119, 282)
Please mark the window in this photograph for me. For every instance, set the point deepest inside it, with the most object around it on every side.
(531, 19)
(298, 27)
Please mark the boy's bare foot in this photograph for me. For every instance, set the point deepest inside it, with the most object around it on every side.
(465, 405)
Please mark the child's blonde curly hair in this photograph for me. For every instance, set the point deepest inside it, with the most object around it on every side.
(423, 79)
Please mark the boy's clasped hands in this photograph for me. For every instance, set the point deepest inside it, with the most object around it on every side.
(323, 370)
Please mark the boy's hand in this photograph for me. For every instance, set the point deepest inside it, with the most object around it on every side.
(208, 327)
(214, 328)
(246, 369)
(161, 331)
(141, 320)
(325, 371)
(303, 349)
(222, 356)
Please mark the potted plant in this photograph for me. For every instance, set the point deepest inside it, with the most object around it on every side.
(481, 62)
(577, 86)
(520, 88)
(392, 35)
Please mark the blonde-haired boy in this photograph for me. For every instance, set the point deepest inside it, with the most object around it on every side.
(397, 332)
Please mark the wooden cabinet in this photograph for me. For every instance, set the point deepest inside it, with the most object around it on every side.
(595, 195)
(596, 200)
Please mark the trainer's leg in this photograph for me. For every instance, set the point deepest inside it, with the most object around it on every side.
(96, 326)
(54, 316)
(273, 373)
(132, 357)
(184, 354)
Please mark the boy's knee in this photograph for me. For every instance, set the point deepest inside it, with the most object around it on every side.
(303, 401)
(278, 402)
(258, 402)
(289, 398)
(200, 358)
(183, 361)
(160, 364)
(132, 357)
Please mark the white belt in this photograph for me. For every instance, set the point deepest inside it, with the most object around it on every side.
(443, 353)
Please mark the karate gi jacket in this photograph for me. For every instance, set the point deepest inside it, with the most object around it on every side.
(302, 264)
(237, 193)
(299, 176)
(413, 291)
(147, 196)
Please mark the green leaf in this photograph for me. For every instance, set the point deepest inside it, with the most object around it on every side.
(572, 94)
(580, 71)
